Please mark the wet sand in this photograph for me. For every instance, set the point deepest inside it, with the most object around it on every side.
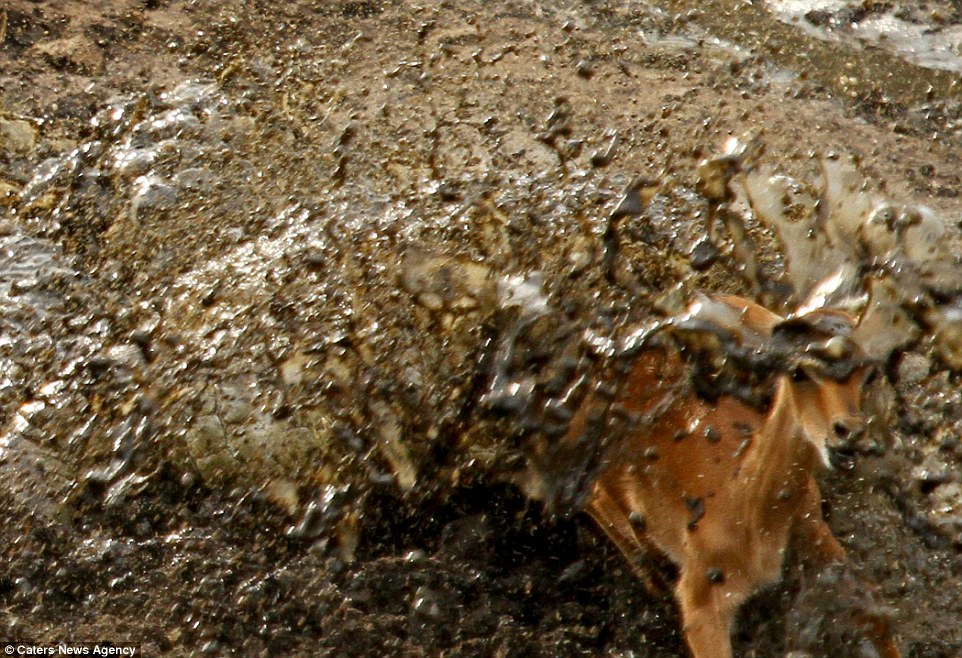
(234, 421)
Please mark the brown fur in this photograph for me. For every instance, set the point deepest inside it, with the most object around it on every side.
(722, 488)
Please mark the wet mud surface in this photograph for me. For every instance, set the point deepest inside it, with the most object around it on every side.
(258, 264)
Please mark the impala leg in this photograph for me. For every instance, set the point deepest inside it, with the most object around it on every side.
(877, 631)
(707, 610)
(614, 520)
(816, 545)
(818, 549)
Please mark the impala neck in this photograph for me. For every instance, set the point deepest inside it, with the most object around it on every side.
(780, 457)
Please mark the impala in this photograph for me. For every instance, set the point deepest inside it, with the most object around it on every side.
(722, 485)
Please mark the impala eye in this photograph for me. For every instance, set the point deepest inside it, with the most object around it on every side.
(799, 375)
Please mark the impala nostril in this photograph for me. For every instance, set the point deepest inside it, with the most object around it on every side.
(842, 430)
(848, 430)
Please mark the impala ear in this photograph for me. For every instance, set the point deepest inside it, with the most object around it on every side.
(842, 290)
(821, 340)
(706, 315)
(818, 325)
(783, 415)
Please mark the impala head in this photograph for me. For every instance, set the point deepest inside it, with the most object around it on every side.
(827, 373)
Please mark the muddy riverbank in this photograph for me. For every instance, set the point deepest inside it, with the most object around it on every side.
(257, 262)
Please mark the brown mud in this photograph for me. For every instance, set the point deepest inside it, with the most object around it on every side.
(251, 254)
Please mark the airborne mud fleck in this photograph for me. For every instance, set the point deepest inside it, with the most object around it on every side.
(261, 266)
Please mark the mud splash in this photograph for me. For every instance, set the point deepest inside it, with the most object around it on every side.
(252, 308)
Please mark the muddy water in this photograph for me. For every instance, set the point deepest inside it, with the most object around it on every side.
(257, 282)
(926, 34)
(861, 54)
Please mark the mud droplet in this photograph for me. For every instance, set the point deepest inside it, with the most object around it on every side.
(584, 69)
(697, 508)
(636, 198)
(439, 282)
(315, 261)
(17, 135)
(425, 603)
(638, 521)
(394, 448)
(703, 255)
(712, 434)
